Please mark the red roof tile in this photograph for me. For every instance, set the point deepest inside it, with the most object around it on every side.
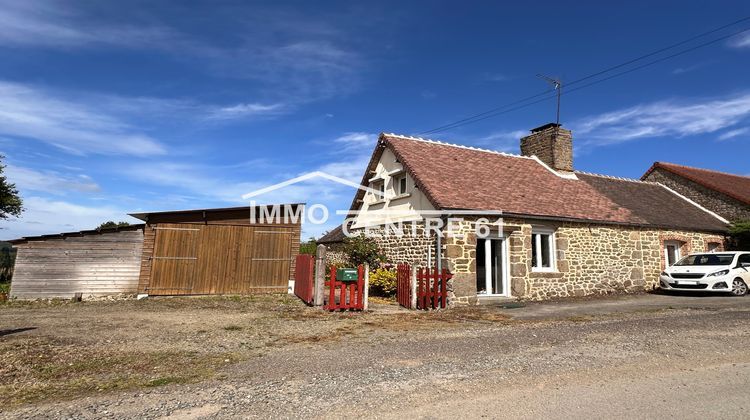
(735, 186)
(458, 177)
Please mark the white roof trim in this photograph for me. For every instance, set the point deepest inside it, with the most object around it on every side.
(571, 176)
(460, 146)
(694, 203)
(617, 178)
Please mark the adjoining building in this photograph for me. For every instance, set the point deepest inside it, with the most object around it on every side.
(728, 195)
(189, 252)
(564, 232)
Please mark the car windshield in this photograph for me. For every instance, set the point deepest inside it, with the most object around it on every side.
(707, 259)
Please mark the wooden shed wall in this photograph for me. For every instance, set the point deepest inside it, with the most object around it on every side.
(93, 264)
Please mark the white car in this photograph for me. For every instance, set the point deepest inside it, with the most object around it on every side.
(709, 272)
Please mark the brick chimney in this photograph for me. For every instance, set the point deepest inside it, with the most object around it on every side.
(552, 144)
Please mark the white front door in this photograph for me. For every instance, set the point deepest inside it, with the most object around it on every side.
(671, 252)
(492, 267)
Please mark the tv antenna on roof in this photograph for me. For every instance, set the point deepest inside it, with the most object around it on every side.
(557, 84)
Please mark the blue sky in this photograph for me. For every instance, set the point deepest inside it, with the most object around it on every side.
(107, 109)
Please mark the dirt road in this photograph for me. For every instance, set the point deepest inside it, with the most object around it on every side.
(630, 357)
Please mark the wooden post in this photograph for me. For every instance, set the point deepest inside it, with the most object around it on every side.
(367, 286)
(413, 286)
(320, 276)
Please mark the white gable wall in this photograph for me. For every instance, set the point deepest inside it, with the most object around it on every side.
(393, 208)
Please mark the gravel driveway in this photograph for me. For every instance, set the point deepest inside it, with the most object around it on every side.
(631, 356)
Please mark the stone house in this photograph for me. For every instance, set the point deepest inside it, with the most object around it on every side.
(727, 195)
(553, 231)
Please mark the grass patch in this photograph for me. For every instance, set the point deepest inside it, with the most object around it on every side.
(38, 369)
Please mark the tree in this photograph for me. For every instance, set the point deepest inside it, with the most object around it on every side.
(361, 249)
(308, 247)
(10, 202)
(740, 235)
(110, 225)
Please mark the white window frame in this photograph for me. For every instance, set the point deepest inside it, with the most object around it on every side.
(677, 253)
(504, 272)
(378, 185)
(536, 236)
(397, 185)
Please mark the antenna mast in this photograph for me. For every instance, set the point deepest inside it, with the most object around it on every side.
(557, 84)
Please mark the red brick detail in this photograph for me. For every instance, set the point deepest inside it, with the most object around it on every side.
(685, 247)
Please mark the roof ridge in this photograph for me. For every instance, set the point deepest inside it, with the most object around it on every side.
(461, 146)
(700, 169)
(617, 178)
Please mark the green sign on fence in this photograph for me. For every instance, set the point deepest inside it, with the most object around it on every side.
(346, 274)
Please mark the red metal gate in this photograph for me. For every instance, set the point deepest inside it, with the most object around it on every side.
(350, 294)
(304, 273)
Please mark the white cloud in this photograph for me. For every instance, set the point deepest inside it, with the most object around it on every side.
(357, 141)
(55, 24)
(44, 216)
(734, 133)
(78, 128)
(245, 110)
(27, 179)
(504, 141)
(298, 71)
(661, 119)
(740, 41)
(297, 58)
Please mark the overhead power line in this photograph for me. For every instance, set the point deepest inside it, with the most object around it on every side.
(544, 96)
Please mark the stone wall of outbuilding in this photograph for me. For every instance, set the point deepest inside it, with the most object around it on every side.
(723, 205)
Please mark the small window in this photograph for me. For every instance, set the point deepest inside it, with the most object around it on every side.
(744, 260)
(542, 251)
(400, 185)
(378, 186)
(713, 246)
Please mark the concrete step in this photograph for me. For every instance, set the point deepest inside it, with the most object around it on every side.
(499, 301)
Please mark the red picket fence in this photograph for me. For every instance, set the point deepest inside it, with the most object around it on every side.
(351, 295)
(432, 288)
(403, 285)
(304, 278)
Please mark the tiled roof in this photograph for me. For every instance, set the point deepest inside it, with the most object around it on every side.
(460, 177)
(334, 235)
(735, 186)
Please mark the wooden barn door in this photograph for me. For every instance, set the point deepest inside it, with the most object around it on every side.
(223, 260)
(173, 265)
(271, 259)
(192, 259)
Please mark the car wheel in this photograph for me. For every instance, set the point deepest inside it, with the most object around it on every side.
(739, 288)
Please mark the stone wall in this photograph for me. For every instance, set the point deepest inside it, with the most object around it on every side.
(414, 246)
(591, 259)
(723, 205)
(335, 254)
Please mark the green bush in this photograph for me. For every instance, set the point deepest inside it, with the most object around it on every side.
(739, 234)
(383, 282)
(4, 287)
(308, 247)
(361, 249)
